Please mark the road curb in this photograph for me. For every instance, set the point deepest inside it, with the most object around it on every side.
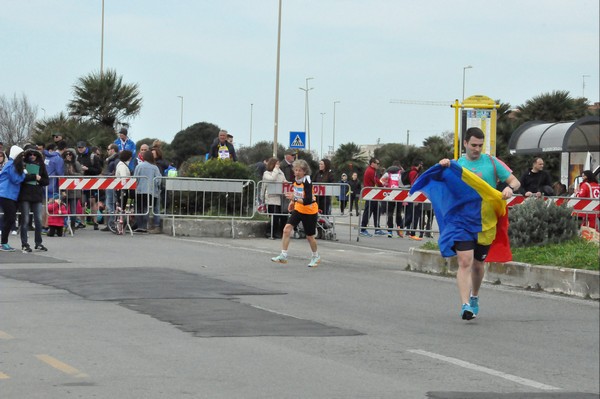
(573, 282)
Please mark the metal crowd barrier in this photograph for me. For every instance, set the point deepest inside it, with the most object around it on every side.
(411, 214)
(324, 193)
(183, 197)
(109, 194)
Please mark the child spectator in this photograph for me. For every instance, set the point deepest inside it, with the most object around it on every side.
(56, 221)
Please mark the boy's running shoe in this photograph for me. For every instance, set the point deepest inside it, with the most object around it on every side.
(474, 303)
(26, 248)
(279, 259)
(466, 312)
(314, 261)
(40, 247)
(365, 233)
(380, 233)
(6, 248)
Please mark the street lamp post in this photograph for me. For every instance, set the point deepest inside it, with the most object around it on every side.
(335, 102)
(306, 112)
(181, 119)
(276, 123)
(251, 107)
(102, 44)
(322, 119)
(464, 70)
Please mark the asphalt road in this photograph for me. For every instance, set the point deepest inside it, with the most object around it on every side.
(151, 316)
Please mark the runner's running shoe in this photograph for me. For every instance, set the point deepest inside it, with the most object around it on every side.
(467, 312)
(6, 248)
(474, 303)
(314, 261)
(279, 259)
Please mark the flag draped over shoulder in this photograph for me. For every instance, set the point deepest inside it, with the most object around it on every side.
(466, 209)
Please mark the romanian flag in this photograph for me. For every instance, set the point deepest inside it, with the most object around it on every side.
(466, 209)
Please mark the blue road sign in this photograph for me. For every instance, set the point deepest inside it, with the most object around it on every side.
(298, 140)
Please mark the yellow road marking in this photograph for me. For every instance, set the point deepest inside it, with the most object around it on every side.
(4, 335)
(65, 368)
(3, 376)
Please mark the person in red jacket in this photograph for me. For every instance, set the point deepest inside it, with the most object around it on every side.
(588, 188)
(56, 220)
(371, 207)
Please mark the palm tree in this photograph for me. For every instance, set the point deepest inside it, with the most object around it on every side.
(105, 99)
(553, 107)
(435, 148)
(349, 158)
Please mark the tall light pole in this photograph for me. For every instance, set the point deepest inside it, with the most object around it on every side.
(102, 44)
(251, 107)
(181, 119)
(322, 119)
(335, 102)
(583, 84)
(464, 69)
(306, 112)
(275, 125)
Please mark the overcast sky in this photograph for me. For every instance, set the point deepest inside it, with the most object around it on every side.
(220, 56)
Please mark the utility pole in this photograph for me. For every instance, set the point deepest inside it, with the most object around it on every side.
(306, 112)
(583, 84)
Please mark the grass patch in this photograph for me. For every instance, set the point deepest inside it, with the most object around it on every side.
(576, 254)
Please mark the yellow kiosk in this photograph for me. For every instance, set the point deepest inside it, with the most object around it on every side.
(478, 111)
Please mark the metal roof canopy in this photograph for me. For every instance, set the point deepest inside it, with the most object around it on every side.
(538, 136)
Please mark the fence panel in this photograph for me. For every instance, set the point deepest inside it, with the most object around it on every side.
(183, 197)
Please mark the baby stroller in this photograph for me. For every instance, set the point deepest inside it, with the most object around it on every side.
(325, 229)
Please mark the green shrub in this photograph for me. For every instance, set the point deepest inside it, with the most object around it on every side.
(218, 169)
(539, 222)
(235, 204)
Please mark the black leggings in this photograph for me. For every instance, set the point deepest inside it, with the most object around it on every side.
(10, 215)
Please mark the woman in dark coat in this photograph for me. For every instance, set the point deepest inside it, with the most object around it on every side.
(31, 198)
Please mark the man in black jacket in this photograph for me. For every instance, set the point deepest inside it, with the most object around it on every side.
(536, 181)
(91, 165)
(222, 148)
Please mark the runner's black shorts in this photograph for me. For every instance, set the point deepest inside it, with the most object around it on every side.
(479, 251)
(309, 221)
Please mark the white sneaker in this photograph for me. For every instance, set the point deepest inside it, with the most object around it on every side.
(314, 261)
(279, 259)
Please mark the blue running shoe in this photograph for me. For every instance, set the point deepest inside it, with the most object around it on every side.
(467, 312)
(474, 303)
(6, 248)
(365, 233)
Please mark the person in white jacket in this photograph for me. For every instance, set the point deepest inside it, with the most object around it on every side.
(272, 194)
(147, 191)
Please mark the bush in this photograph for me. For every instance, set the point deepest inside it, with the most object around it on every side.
(217, 169)
(214, 203)
(537, 222)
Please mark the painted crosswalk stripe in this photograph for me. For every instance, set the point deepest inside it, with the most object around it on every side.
(57, 364)
(496, 373)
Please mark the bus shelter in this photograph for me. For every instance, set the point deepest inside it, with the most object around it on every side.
(578, 142)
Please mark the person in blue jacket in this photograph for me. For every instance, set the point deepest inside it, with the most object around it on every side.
(125, 143)
(11, 177)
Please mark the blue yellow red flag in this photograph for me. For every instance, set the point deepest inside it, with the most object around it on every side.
(466, 208)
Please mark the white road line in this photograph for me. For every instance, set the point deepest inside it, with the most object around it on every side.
(495, 373)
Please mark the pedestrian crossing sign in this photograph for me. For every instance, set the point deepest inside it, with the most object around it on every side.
(298, 140)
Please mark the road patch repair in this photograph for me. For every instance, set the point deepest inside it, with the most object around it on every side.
(202, 306)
